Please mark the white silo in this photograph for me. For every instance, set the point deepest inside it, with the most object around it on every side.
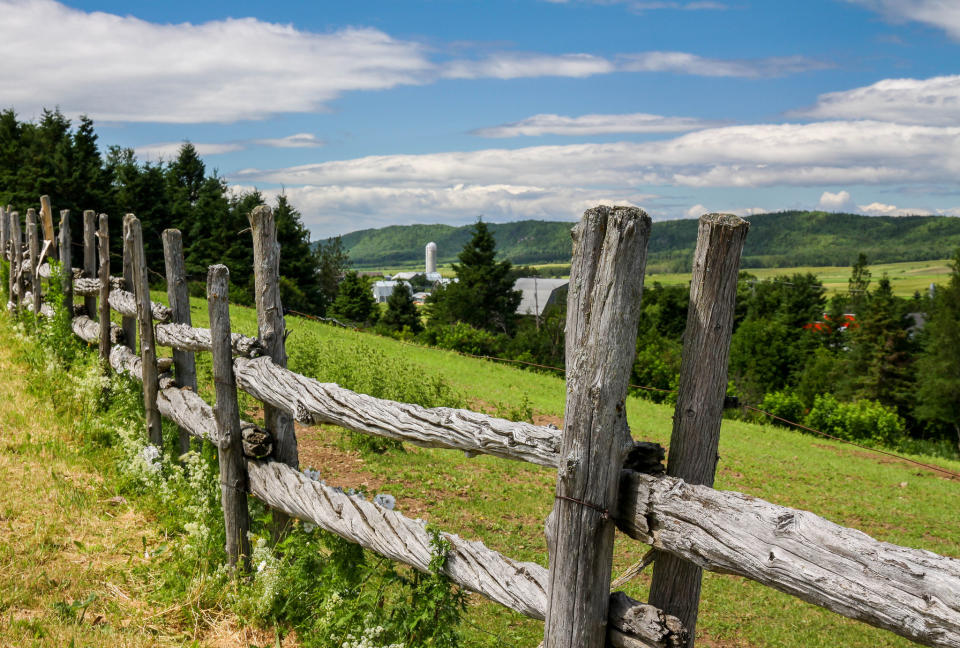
(431, 257)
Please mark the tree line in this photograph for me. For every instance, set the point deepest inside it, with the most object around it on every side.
(55, 157)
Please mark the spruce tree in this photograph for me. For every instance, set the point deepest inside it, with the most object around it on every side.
(300, 289)
(401, 311)
(938, 373)
(354, 300)
(483, 295)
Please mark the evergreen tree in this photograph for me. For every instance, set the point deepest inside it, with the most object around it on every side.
(859, 283)
(483, 296)
(938, 374)
(354, 300)
(880, 358)
(401, 311)
(301, 287)
(333, 263)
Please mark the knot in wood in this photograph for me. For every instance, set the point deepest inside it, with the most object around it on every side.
(303, 415)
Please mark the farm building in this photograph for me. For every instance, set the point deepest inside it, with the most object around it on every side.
(539, 293)
(383, 289)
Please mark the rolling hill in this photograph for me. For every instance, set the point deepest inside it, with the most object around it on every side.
(781, 239)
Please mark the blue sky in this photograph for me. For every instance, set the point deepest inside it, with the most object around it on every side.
(377, 113)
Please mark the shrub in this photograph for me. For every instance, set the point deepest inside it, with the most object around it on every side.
(785, 404)
(860, 420)
(464, 338)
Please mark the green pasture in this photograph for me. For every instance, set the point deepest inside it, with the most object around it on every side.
(906, 277)
(504, 503)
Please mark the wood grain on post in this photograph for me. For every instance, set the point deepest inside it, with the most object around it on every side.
(148, 351)
(606, 284)
(66, 261)
(46, 216)
(90, 257)
(233, 468)
(128, 323)
(33, 247)
(103, 236)
(16, 245)
(703, 383)
(272, 329)
(179, 297)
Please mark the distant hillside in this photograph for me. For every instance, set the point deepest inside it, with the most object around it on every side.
(781, 239)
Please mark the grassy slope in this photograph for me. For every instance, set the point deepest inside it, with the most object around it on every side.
(504, 503)
(62, 539)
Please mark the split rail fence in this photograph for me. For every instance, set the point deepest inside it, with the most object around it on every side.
(605, 480)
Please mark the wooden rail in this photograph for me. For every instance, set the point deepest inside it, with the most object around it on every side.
(910, 592)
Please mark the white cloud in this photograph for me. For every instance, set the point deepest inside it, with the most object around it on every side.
(169, 150)
(327, 208)
(121, 68)
(594, 125)
(943, 14)
(934, 101)
(557, 181)
(835, 201)
(686, 63)
(517, 65)
(299, 140)
(699, 210)
(830, 153)
(125, 69)
(880, 209)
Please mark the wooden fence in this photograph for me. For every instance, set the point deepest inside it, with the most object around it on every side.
(604, 478)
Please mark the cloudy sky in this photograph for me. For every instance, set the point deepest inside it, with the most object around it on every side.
(382, 112)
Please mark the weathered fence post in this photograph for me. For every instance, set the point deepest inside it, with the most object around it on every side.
(606, 284)
(233, 470)
(128, 324)
(272, 333)
(90, 257)
(703, 384)
(33, 249)
(179, 296)
(148, 351)
(104, 244)
(266, 273)
(46, 216)
(66, 262)
(16, 246)
(4, 233)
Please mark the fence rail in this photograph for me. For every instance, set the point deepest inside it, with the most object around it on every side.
(911, 592)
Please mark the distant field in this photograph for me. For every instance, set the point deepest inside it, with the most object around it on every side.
(906, 277)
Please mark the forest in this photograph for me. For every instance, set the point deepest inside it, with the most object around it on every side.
(776, 240)
(864, 364)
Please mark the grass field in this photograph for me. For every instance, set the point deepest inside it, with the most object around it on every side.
(905, 278)
(504, 503)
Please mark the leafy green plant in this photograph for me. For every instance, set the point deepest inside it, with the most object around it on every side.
(785, 404)
(859, 420)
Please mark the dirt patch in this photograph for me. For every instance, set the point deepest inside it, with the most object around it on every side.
(548, 419)
(338, 467)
